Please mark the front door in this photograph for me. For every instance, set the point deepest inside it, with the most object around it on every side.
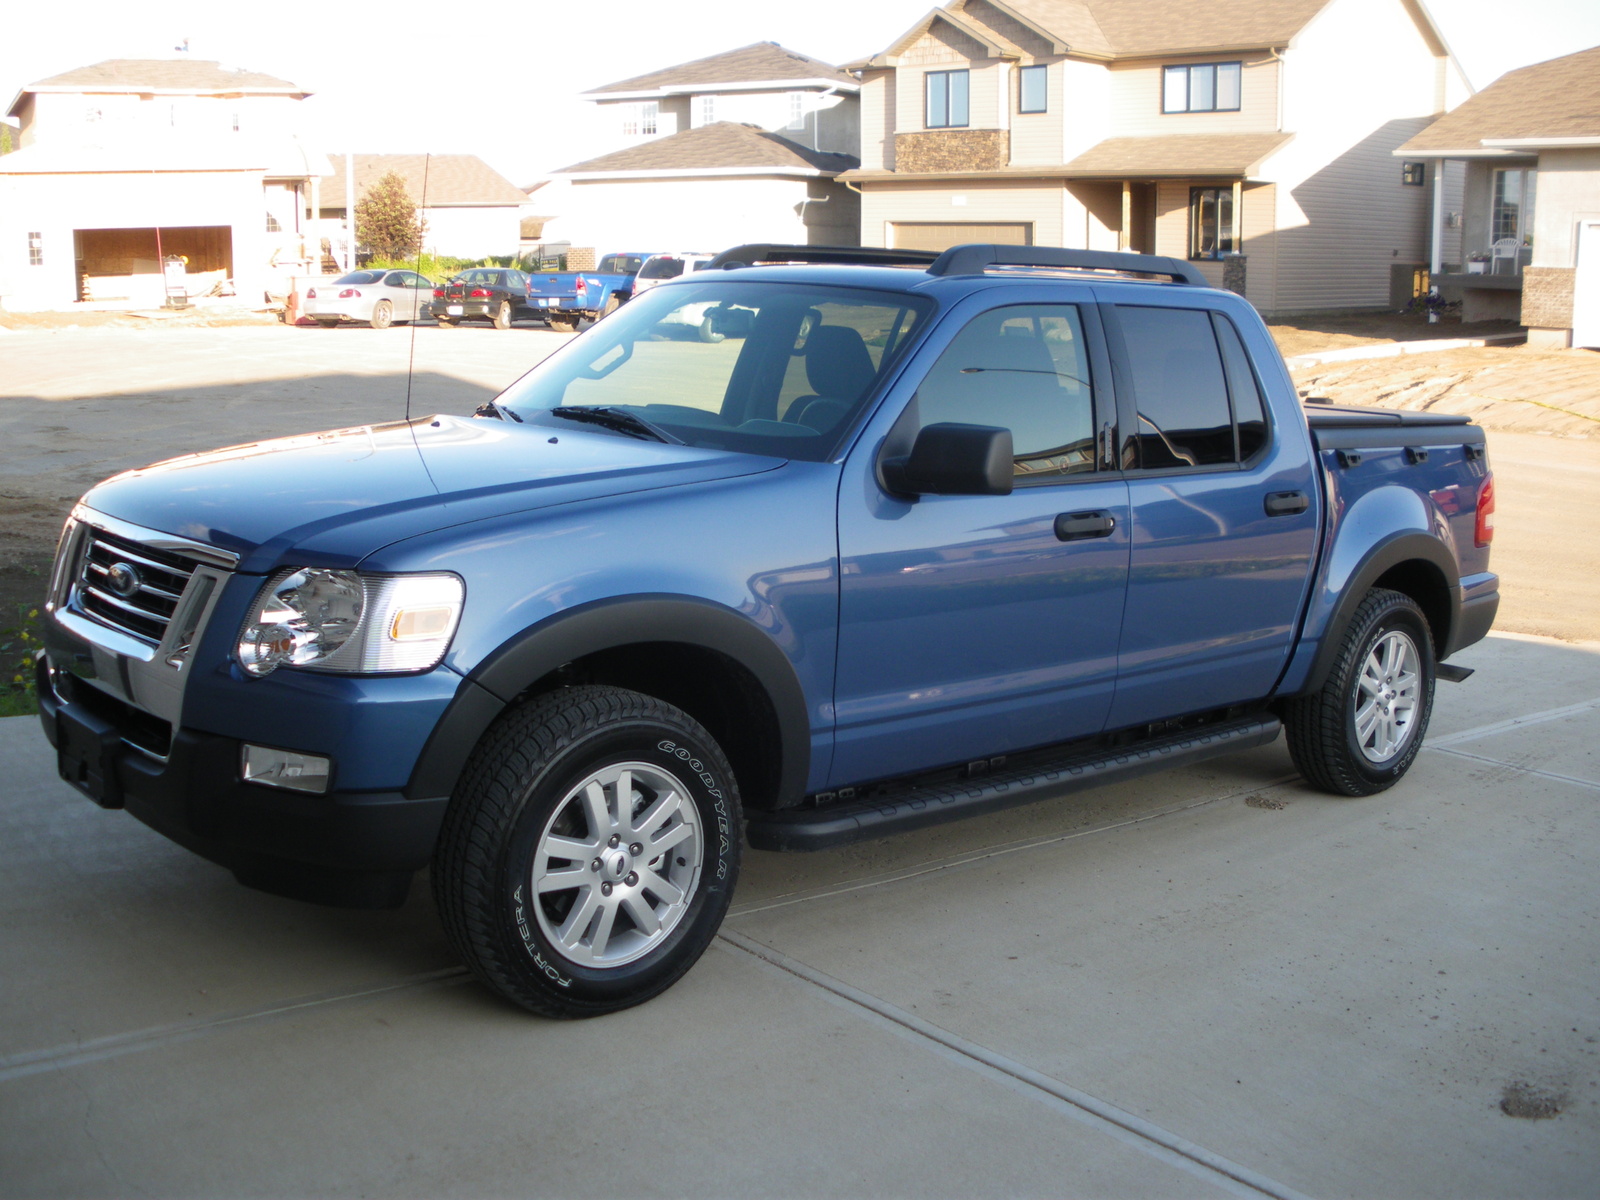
(972, 626)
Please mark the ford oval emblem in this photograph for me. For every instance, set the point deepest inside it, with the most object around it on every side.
(123, 580)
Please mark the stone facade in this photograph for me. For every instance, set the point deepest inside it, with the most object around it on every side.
(952, 150)
(1547, 297)
(581, 258)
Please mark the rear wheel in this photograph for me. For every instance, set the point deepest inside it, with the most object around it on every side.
(589, 852)
(382, 315)
(502, 315)
(611, 306)
(564, 324)
(1361, 732)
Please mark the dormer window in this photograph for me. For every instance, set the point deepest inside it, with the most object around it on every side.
(946, 99)
(797, 110)
(708, 109)
(640, 119)
(1201, 87)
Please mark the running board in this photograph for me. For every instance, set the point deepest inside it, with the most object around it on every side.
(859, 820)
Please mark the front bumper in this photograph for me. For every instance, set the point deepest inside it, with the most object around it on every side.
(354, 849)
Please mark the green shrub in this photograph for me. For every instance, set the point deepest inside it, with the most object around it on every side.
(18, 695)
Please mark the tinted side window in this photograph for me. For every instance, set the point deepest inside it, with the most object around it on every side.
(1025, 368)
(1250, 418)
(1178, 385)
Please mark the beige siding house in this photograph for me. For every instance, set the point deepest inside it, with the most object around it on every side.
(741, 146)
(1529, 144)
(131, 161)
(1254, 138)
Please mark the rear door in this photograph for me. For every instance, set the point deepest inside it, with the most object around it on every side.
(1225, 509)
(972, 626)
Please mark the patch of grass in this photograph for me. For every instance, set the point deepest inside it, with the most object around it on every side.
(18, 642)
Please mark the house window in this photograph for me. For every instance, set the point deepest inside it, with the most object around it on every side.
(1511, 214)
(708, 110)
(1202, 87)
(1413, 174)
(1033, 89)
(272, 224)
(797, 110)
(36, 249)
(236, 122)
(947, 99)
(640, 119)
(1210, 222)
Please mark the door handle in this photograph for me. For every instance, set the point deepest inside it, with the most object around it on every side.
(1286, 504)
(1071, 527)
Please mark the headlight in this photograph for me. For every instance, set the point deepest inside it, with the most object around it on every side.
(328, 620)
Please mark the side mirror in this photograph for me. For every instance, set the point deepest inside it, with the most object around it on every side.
(948, 459)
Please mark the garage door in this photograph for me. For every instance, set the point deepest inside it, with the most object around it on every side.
(915, 235)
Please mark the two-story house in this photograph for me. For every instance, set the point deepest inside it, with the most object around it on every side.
(1530, 143)
(741, 146)
(129, 162)
(1252, 136)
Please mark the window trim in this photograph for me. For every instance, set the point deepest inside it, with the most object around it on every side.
(797, 112)
(966, 99)
(1232, 239)
(36, 248)
(1043, 70)
(1186, 68)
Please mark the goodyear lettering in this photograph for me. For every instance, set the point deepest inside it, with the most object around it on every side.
(719, 805)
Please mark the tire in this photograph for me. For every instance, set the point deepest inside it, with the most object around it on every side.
(535, 802)
(708, 334)
(446, 322)
(1361, 732)
(502, 315)
(564, 324)
(382, 315)
(326, 323)
(611, 306)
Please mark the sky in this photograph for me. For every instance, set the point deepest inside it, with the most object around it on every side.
(500, 80)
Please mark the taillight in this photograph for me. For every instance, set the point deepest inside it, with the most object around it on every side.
(1483, 532)
(478, 293)
(311, 293)
(580, 286)
(349, 294)
(438, 292)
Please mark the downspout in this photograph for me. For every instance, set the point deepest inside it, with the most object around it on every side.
(1436, 238)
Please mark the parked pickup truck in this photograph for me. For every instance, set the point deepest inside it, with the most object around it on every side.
(934, 536)
(566, 297)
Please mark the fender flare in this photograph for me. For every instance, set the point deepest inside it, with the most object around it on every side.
(1394, 550)
(608, 625)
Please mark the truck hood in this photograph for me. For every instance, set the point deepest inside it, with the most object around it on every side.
(337, 496)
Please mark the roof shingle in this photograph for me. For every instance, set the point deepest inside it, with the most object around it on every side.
(165, 74)
(719, 145)
(748, 64)
(431, 180)
(1559, 98)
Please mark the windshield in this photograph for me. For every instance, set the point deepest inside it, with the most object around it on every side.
(620, 264)
(661, 268)
(762, 368)
(360, 277)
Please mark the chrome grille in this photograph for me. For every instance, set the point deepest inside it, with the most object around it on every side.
(130, 586)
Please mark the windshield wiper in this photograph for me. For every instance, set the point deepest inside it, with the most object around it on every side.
(498, 411)
(619, 419)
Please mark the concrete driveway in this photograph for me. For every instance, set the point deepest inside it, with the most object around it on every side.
(1209, 982)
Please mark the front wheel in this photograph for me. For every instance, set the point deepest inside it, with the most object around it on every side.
(1361, 732)
(589, 852)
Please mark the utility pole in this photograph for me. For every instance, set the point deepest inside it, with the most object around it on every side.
(349, 211)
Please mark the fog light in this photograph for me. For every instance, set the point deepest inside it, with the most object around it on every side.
(286, 769)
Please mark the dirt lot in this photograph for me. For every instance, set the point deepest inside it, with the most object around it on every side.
(79, 403)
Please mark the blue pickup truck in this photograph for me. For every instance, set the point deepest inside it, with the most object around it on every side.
(566, 297)
(924, 536)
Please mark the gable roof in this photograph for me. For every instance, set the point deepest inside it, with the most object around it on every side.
(1137, 28)
(442, 180)
(763, 62)
(163, 74)
(723, 146)
(1549, 101)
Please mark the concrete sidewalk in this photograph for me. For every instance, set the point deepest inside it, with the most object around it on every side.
(1208, 982)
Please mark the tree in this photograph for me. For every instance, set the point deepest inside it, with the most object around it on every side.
(387, 223)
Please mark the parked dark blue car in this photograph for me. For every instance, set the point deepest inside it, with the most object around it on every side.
(920, 537)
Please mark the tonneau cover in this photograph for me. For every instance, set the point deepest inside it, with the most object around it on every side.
(1342, 416)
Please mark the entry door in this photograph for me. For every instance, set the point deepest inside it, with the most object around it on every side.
(972, 626)
(1225, 518)
(1586, 287)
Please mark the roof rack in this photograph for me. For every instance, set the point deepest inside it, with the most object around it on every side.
(776, 252)
(975, 259)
